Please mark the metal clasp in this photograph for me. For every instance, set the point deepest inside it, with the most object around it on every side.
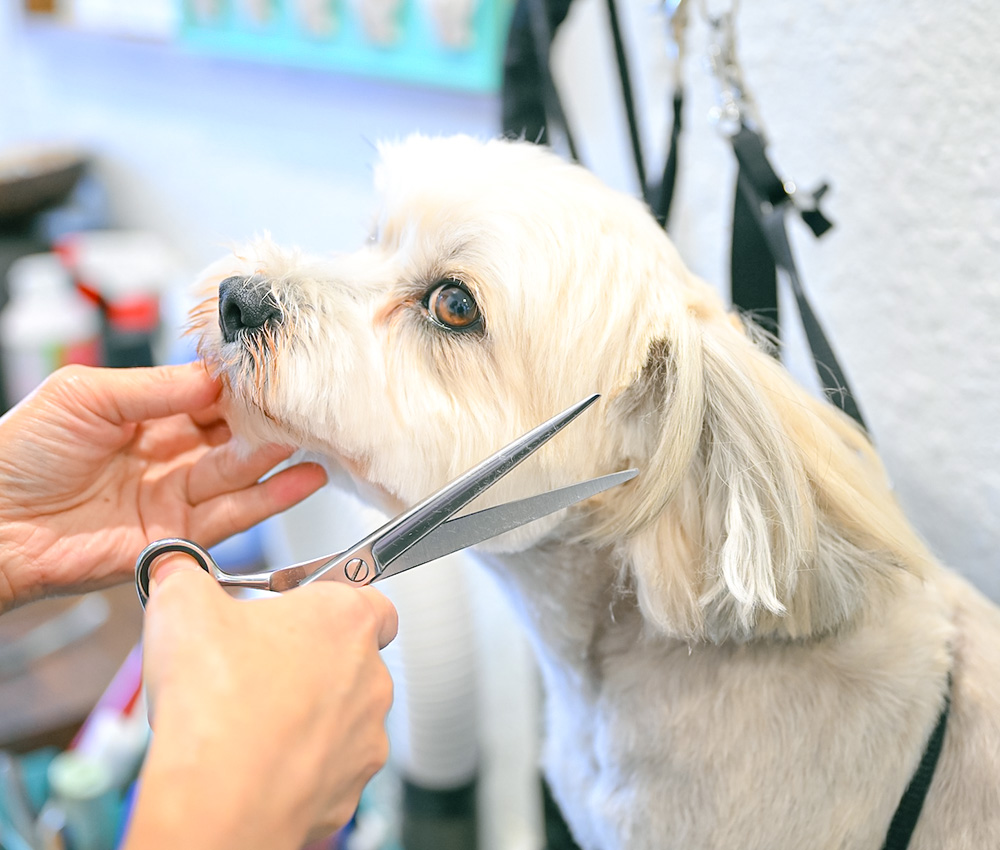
(736, 105)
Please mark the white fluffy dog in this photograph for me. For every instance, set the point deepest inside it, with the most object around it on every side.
(745, 647)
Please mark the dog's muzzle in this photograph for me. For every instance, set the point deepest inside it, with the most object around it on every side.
(246, 305)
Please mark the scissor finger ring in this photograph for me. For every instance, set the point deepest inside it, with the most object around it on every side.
(163, 547)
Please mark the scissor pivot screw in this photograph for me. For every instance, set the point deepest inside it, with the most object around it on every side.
(356, 569)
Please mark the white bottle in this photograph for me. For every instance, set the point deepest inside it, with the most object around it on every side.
(45, 324)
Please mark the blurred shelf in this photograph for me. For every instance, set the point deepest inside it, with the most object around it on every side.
(451, 44)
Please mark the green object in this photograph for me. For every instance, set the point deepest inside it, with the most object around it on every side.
(82, 788)
(34, 769)
(414, 49)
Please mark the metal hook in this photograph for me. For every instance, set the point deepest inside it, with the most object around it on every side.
(675, 19)
(736, 105)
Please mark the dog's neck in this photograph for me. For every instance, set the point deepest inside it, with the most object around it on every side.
(578, 609)
(579, 605)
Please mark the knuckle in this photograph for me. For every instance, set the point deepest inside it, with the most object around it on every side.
(366, 623)
(359, 615)
(66, 378)
(340, 612)
(234, 511)
(383, 612)
(68, 374)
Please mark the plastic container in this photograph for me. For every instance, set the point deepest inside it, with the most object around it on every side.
(45, 324)
(124, 272)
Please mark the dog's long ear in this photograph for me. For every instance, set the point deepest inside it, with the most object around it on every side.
(758, 509)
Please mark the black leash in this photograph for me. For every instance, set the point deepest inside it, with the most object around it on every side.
(761, 249)
(530, 103)
(662, 199)
(904, 821)
(628, 100)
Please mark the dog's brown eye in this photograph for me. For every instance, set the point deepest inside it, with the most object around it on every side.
(450, 304)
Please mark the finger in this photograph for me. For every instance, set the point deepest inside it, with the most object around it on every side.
(225, 469)
(168, 438)
(170, 564)
(217, 433)
(385, 614)
(208, 415)
(219, 517)
(134, 395)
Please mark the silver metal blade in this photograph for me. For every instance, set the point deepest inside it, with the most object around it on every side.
(464, 531)
(399, 534)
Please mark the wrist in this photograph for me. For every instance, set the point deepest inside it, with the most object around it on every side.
(192, 795)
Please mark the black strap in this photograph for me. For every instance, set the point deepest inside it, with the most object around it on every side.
(752, 274)
(905, 820)
(530, 103)
(532, 108)
(761, 205)
(662, 198)
(627, 97)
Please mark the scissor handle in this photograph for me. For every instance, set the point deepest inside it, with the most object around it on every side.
(163, 547)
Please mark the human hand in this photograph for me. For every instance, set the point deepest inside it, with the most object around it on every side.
(268, 715)
(98, 462)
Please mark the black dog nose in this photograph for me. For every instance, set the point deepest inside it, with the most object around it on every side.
(246, 304)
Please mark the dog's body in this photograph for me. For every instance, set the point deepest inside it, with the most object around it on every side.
(746, 646)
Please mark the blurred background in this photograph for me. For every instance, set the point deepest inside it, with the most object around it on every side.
(138, 140)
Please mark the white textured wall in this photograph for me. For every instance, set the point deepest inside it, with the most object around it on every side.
(895, 103)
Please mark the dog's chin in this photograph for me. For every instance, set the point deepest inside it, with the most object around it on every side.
(351, 475)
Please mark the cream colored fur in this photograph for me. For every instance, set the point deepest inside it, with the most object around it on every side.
(747, 646)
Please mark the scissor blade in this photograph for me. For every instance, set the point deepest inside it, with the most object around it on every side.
(394, 538)
(465, 531)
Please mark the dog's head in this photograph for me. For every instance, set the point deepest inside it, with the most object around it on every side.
(498, 286)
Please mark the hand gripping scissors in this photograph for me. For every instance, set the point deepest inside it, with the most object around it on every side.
(423, 533)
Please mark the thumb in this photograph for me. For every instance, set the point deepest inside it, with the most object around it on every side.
(134, 395)
(171, 564)
(183, 614)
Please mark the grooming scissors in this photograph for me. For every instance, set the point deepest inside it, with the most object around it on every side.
(423, 533)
